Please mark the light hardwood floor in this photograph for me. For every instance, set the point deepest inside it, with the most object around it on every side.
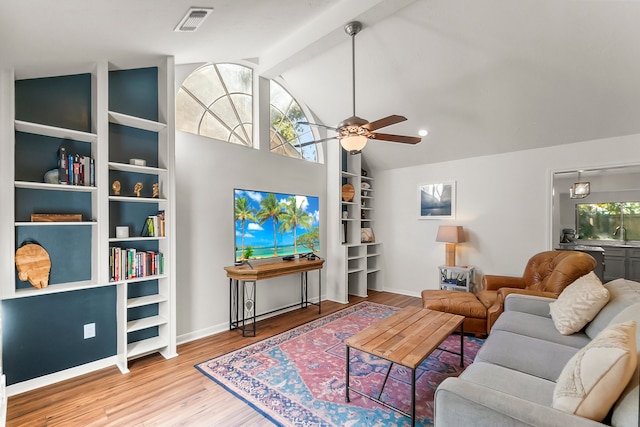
(160, 392)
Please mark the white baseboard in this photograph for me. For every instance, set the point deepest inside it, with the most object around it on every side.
(403, 292)
(67, 374)
(223, 327)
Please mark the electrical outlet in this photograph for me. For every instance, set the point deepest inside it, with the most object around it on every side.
(89, 330)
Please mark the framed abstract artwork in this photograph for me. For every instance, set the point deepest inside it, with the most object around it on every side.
(437, 200)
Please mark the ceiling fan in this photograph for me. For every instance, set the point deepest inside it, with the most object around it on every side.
(354, 132)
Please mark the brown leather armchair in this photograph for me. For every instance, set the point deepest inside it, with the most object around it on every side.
(546, 274)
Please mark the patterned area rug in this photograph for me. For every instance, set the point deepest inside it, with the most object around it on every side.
(297, 378)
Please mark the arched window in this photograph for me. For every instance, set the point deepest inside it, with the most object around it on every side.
(216, 101)
(287, 136)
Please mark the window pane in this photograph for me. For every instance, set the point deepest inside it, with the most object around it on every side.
(205, 85)
(632, 220)
(237, 78)
(216, 101)
(286, 133)
(609, 221)
(188, 112)
(212, 128)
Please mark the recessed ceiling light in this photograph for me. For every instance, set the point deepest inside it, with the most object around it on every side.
(193, 19)
(423, 132)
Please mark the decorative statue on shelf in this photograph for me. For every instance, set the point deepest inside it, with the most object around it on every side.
(155, 191)
(137, 188)
(116, 188)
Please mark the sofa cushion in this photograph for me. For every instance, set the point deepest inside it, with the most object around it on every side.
(578, 304)
(595, 377)
(623, 293)
(538, 327)
(511, 382)
(531, 356)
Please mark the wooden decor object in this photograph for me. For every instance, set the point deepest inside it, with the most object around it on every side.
(33, 264)
(56, 217)
(348, 191)
(137, 188)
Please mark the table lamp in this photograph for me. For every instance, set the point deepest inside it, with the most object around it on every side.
(450, 234)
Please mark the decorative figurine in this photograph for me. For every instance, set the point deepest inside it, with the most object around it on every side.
(155, 191)
(137, 188)
(116, 188)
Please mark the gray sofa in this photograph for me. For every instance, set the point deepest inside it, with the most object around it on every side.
(512, 379)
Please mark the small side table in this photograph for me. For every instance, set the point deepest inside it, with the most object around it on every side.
(457, 278)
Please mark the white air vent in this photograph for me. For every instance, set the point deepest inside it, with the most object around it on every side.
(193, 19)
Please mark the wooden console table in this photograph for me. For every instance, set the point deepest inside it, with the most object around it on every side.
(242, 288)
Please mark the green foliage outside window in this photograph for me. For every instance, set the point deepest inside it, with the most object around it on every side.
(609, 221)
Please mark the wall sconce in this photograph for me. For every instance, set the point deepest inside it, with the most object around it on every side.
(450, 234)
(579, 190)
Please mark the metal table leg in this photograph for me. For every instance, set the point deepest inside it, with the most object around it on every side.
(347, 387)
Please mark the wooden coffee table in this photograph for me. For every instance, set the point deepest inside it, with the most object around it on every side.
(406, 338)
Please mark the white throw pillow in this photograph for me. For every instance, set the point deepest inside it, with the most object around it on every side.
(595, 377)
(578, 304)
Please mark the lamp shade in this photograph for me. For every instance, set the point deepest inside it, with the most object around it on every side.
(353, 143)
(450, 234)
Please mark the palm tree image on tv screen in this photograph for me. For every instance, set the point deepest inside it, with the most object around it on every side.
(272, 225)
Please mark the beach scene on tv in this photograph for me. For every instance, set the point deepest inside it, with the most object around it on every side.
(275, 224)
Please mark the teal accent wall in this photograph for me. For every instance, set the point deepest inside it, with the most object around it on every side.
(69, 248)
(134, 92)
(45, 334)
(63, 101)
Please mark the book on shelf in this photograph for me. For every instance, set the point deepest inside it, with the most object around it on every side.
(74, 169)
(154, 225)
(130, 263)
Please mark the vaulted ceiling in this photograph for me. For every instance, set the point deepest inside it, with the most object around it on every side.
(483, 76)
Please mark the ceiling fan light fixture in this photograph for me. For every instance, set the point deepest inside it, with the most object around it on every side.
(353, 143)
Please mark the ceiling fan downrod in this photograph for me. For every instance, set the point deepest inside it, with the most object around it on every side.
(353, 28)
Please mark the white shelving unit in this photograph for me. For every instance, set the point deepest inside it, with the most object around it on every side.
(357, 265)
(100, 204)
(456, 278)
(160, 302)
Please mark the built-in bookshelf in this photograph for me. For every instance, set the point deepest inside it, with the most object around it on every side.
(85, 126)
(360, 268)
(137, 132)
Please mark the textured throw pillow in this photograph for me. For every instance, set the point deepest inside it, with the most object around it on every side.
(578, 304)
(595, 377)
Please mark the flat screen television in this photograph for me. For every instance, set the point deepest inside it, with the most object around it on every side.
(269, 224)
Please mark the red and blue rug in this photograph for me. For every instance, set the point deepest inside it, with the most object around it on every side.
(297, 378)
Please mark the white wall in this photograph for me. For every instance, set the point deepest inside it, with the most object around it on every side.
(503, 202)
(207, 171)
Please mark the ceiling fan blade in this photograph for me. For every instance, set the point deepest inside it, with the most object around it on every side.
(304, 144)
(318, 125)
(387, 121)
(396, 138)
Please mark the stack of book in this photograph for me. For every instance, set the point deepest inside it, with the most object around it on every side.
(128, 264)
(154, 225)
(74, 169)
